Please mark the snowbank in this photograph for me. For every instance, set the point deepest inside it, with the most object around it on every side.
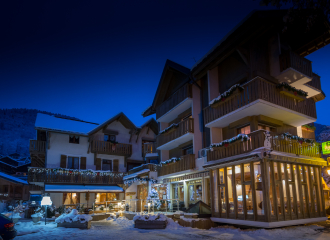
(150, 217)
(73, 216)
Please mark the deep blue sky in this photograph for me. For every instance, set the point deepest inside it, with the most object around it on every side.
(93, 59)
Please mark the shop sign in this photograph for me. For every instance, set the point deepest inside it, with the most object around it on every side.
(326, 147)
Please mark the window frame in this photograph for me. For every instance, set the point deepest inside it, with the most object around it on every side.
(74, 141)
(72, 167)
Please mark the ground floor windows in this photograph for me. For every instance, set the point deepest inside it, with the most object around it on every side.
(106, 165)
(105, 197)
(249, 191)
(73, 163)
(71, 198)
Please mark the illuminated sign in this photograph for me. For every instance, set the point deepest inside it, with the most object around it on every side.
(326, 147)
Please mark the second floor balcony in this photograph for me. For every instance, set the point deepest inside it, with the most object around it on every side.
(149, 149)
(176, 135)
(103, 147)
(50, 175)
(257, 140)
(37, 146)
(175, 104)
(260, 97)
(187, 162)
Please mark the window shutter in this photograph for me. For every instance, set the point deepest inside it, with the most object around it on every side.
(63, 161)
(98, 164)
(115, 165)
(83, 163)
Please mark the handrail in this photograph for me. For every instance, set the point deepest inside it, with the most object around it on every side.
(111, 148)
(259, 89)
(289, 59)
(37, 146)
(187, 162)
(185, 126)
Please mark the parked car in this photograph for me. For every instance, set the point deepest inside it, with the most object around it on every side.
(7, 230)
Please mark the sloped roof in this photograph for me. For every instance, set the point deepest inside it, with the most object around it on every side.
(47, 122)
(12, 179)
(152, 124)
(121, 117)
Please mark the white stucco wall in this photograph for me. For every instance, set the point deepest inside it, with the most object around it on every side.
(57, 199)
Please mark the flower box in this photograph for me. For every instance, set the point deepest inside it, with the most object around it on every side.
(76, 224)
(292, 94)
(150, 224)
(223, 100)
(100, 217)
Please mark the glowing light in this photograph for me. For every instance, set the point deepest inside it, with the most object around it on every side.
(46, 201)
(328, 171)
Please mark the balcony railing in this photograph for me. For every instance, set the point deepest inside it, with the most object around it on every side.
(315, 83)
(111, 148)
(257, 141)
(290, 59)
(185, 126)
(50, 176)
(255, 89)
(187, 162)
(37, 146)
(152, 167)
(149, 147)
(176, 98)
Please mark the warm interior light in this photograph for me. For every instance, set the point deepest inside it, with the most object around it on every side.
(74, 195)
(328, 171)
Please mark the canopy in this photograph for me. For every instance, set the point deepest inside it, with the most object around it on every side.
(82, 188)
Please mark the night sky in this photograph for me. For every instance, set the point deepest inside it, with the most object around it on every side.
(94, 59)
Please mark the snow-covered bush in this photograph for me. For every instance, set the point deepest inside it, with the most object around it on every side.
(73, 216)
(38, 213)
(150, 217)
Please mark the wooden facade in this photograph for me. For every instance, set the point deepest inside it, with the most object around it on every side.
(103, 147)
(37, 150)
(10, 190)
(289, 59)
(187, 162)
(264, 190)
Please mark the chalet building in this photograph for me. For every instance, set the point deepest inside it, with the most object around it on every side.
(233, 129)
(13, 188)
(10, 165)
(81, 162)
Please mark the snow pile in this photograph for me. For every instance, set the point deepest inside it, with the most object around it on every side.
(150, 217)
(12, 214)
(73, 216)
(189, 219)
(179, 212)
(171, 224)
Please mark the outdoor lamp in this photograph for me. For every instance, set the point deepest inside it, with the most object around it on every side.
(46, 202)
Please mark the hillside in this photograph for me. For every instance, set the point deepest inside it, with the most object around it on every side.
(17, 128)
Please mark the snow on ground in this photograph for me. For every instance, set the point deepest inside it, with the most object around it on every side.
(122, 228)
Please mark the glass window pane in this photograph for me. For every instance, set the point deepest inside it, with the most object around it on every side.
(291, 197)
(70, 162)
(221, 176)
(304, 198)
(223, 199)
(288, 168)
(315, 198)
(215, 193)
(249, 200)
(309, 189)
(198, 188)
(259, 192)
(239, 191)
(295, 174)
(230, 190)
(247, 175)
(276, 171)
(76, 163)
(278, 197)
(301, 170)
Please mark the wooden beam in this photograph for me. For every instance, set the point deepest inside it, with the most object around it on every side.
(243, 57)
(288, 197)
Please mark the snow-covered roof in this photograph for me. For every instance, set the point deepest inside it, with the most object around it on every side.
(12, 179)
(136, 174)
(82, 188)
(48, 122)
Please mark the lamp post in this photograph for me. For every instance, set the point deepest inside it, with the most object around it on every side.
(46, 202)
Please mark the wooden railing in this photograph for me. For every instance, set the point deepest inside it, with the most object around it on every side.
(186, 126)
(257, 141)
(187, 162)
(176, 98)
(256, 89)
(152, 167)
(316, 82)
(110, 148)
(290, 59)
(37, 146)
(149, 148)
(75, 178)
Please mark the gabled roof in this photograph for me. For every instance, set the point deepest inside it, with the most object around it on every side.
(262, 20)
(12, 179)
(170, 66)
(121, 117)
(47, 122)
(152, 124)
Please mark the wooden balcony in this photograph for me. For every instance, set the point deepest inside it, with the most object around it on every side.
(183, 129)
(152, 167)
(175, 99)
(187, 162)
(50, 176)
(37, 146)
(104, 147)
(286, 108)
(257, 141)
(292, 60)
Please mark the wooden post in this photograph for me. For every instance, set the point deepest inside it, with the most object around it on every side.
(253, 184)
(265, 186)
(288, 197)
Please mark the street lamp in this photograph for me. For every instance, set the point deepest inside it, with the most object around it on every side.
(46, 202)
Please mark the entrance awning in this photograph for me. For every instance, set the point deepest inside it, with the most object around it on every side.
(82, 188)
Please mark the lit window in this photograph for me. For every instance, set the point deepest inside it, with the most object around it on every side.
(244, 130)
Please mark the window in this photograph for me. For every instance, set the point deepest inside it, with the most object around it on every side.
(71, 198)
(267, 128)
(73, 163)
(147, 148)
(244, 130)
(74, 139)
(188, 150)
(106, 165)
(109, 138)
